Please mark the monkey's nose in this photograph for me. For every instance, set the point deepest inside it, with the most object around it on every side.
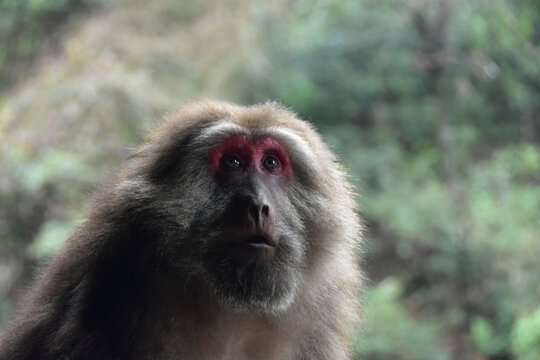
(258, 210)
(254, 210)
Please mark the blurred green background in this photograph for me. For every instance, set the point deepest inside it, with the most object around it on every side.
(433, 105)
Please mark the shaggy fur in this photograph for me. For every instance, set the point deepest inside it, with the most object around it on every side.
(146, 276)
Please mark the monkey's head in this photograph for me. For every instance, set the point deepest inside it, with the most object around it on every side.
(246, 200)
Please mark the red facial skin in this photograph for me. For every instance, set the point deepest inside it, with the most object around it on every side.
(252, 154)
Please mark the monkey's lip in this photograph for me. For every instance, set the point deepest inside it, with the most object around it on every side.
(260, 240)
(254, 247)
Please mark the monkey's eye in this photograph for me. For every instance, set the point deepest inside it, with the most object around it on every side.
(232, 162)
(271, 163)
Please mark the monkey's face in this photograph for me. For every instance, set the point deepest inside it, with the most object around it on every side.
(243, 215)
(251, 231)
(251, 172)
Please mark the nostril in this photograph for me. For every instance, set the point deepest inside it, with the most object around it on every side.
(254, 212)
(265, 210)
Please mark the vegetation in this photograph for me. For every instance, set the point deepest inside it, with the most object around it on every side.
(434, 106)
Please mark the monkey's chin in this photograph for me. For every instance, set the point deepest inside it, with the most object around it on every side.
(269, 299)
(263, 286)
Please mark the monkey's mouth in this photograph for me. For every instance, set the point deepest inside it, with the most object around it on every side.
(260, 240)
(254, 247)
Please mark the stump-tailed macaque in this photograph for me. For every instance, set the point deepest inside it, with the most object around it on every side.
(230, 233)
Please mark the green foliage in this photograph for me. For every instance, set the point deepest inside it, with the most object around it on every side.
(526, 336)
(52, 167)
(25, 24)
(484, 338)
(391, 330)
(51, 236)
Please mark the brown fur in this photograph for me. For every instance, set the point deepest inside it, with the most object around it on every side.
(131, 283)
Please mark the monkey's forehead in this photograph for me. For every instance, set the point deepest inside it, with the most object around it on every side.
(214, 133)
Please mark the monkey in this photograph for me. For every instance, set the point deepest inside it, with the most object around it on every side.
(231, 233)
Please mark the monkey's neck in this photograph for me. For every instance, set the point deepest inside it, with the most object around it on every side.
(199, 327)
(207, 330)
